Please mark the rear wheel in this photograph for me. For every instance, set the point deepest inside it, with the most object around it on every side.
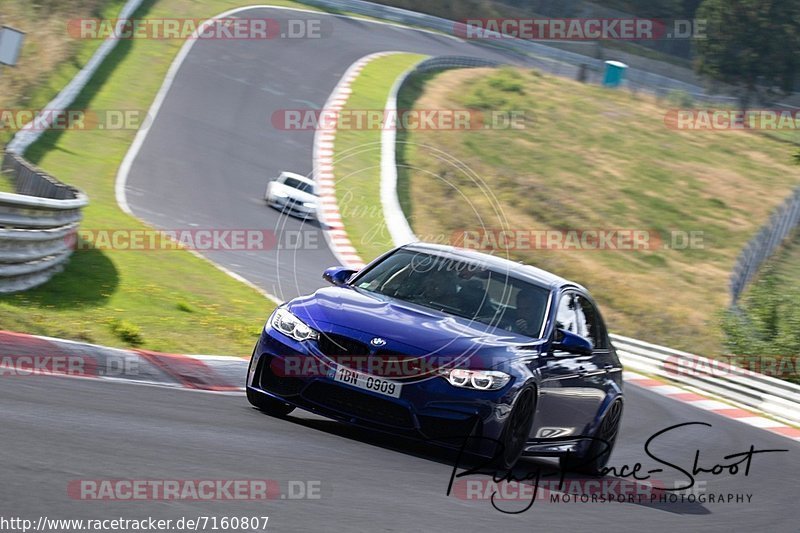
(269, 405)
(598, 453)
(516, 431)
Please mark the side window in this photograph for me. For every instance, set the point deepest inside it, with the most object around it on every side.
(566, 318)
(590, 324)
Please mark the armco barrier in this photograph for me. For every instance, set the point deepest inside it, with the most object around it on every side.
(767, 394)
(37, 225)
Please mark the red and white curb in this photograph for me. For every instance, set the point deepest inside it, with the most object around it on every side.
(708, 404)
(25, 355)
(324, 174)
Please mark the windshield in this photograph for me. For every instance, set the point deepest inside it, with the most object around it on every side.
(468, 290)
(295, 183)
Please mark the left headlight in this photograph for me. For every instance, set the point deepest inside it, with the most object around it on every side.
(291, 326)
(310, 205)
(477, 379)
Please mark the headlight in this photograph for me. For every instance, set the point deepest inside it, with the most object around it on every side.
(310, 205)
(291, 326)
(281, 195)
(477, 379)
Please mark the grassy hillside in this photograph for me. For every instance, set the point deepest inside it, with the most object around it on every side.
(592, 158)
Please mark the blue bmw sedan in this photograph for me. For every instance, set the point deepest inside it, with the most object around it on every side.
(453, 346)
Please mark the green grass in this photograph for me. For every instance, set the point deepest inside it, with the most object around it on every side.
(592, 158)
(160, 300)
(358, 158)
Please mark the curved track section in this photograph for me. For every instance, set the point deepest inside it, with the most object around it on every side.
(208, 155)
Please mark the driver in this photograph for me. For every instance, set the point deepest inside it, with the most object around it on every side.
(439, 286)
(528, 313)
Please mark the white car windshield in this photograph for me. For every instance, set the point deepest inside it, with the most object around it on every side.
(295, 183)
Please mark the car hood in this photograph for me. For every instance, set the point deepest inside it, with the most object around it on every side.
(405, 326)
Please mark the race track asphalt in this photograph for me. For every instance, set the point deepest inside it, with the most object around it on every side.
(56, 430)
(209, 153)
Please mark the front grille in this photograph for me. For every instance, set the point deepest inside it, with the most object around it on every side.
(359, 405)
(386, 363)
(399, 367)
(334, 346)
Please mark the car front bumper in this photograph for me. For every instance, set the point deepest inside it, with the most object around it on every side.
(294, 206)
(430, 409)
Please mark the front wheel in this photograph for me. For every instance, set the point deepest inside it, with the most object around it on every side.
(599, 452)
(269, 405)
(516, 431)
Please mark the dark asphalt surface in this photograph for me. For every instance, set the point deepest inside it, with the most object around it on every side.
(208, 155)
(54, 430)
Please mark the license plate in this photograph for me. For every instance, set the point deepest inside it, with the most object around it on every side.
(367, 382)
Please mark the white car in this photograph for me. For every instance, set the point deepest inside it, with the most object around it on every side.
(294, 194)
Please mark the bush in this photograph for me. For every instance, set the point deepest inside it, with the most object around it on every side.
(186, 307)
(507, 80)
(680, 99)
(127, 332)
(767, 323)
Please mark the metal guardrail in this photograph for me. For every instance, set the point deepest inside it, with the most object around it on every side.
(37, 225)
(767, 394)
(451, 62)
(547, 58)
(763, 245)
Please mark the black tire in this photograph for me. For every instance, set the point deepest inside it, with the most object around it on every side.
(516, 431)
(269, 405)
(598, 453)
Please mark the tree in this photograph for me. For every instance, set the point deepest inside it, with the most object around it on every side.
(754, 44)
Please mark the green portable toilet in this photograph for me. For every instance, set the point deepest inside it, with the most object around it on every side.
(615, 73)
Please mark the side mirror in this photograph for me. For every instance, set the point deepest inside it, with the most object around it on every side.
(337, 275)
(571, 343)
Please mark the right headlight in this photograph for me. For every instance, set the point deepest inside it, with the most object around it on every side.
(291, 326)
(477, 379)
